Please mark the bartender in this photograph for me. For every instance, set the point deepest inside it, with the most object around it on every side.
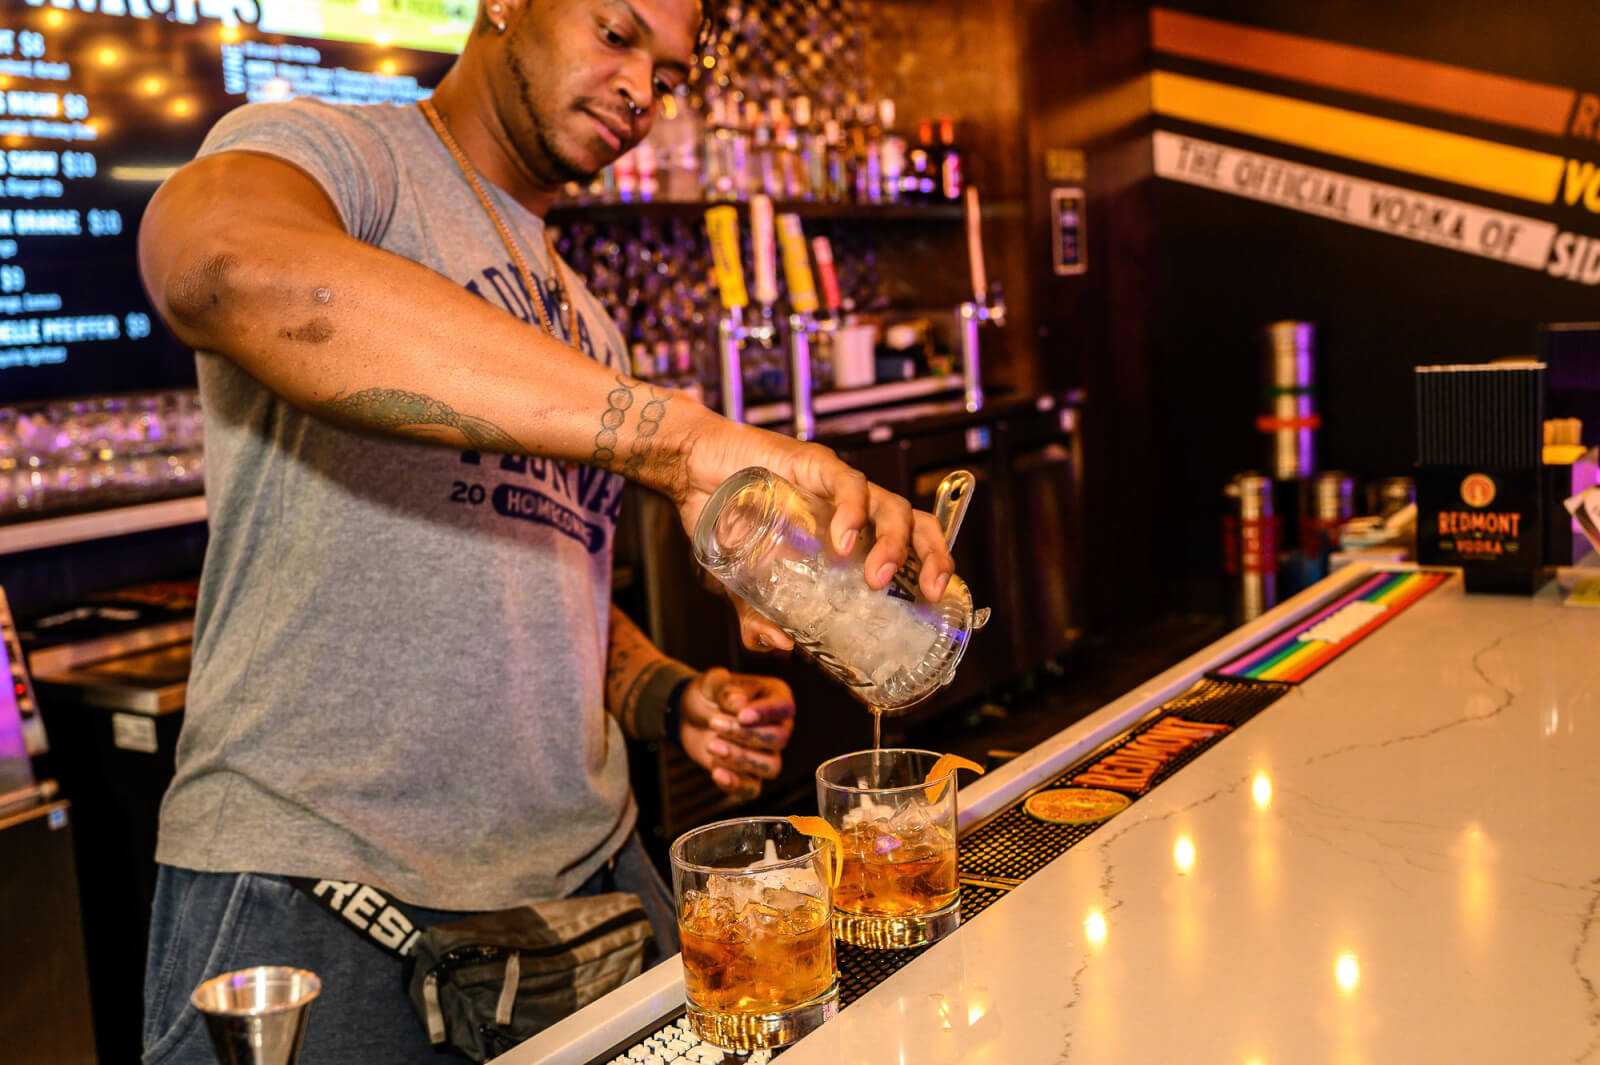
(407, 671)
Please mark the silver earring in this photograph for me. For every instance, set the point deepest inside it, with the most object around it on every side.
(499, 23)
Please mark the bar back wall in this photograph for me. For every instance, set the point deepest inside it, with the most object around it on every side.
(1419, 181)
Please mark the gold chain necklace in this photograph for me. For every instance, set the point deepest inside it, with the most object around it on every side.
(535, 292)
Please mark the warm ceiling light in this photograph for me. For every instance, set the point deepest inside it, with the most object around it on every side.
(382, 39)
(181, 107)
(1094, 926)
(229, 34)
(152, 86)
(108, 57)
(54, 19)
(389, 67)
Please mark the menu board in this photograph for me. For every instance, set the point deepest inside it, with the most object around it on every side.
(100, 100)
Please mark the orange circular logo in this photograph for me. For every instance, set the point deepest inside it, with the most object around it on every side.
(1477, 490)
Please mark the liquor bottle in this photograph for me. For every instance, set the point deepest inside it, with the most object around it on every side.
(813, 150)
(837, 162)
(726, 148)
(919, 184)
(893, 151)
(869, 157)
(786, 148)
(763, 157)
(950, 179)
(640, 359)
(645, 165)
(684, 377)
(677, 138)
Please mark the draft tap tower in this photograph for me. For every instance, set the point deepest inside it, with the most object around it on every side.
(763, 332)
(722, 226)
(733, 331)
(802, 323)
(983, 307)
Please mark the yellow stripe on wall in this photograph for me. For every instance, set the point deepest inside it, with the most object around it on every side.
(1481, 164)
(1385, 75)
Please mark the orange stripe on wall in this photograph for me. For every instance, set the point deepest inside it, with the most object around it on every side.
(1383, 75)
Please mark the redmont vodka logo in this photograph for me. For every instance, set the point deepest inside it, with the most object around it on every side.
(1477, 490)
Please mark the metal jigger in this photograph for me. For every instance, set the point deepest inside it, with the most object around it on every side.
(257, 1016)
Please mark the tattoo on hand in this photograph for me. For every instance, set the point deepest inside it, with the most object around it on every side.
(392, 410)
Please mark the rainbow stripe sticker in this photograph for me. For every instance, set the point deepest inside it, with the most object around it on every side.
(1294, 654)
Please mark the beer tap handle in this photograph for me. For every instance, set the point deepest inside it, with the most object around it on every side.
(722, 226)
(980, 277)
(822, 248)
(803, 301)
(762, 250)
(796, 265)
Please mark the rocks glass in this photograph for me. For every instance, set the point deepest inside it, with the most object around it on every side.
(754, 897)
(898, 887)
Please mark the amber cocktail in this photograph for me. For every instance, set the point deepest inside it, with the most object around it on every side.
(754, 901)
(899, 886)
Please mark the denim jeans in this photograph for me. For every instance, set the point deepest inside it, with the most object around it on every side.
(205, 924)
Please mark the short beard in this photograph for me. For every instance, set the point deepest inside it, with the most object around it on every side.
(551, 165)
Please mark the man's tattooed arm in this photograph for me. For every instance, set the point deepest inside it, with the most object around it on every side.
(626, 449)
(393, 411)
(639, 678)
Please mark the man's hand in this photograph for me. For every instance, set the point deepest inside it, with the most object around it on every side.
(734, 724)
(722, 448)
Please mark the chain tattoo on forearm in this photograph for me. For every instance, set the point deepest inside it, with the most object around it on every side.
(393, 410)
(618, 402)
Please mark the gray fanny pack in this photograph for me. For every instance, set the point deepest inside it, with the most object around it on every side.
(483, 984)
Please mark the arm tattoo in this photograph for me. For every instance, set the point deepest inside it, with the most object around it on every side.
(633, 677)
(641, 447)
(391, 410)
(629, 710)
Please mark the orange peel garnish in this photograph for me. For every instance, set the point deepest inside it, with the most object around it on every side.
(946, 763)
(818, 828)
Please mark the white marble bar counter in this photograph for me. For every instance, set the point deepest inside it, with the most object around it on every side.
(1397, 862)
